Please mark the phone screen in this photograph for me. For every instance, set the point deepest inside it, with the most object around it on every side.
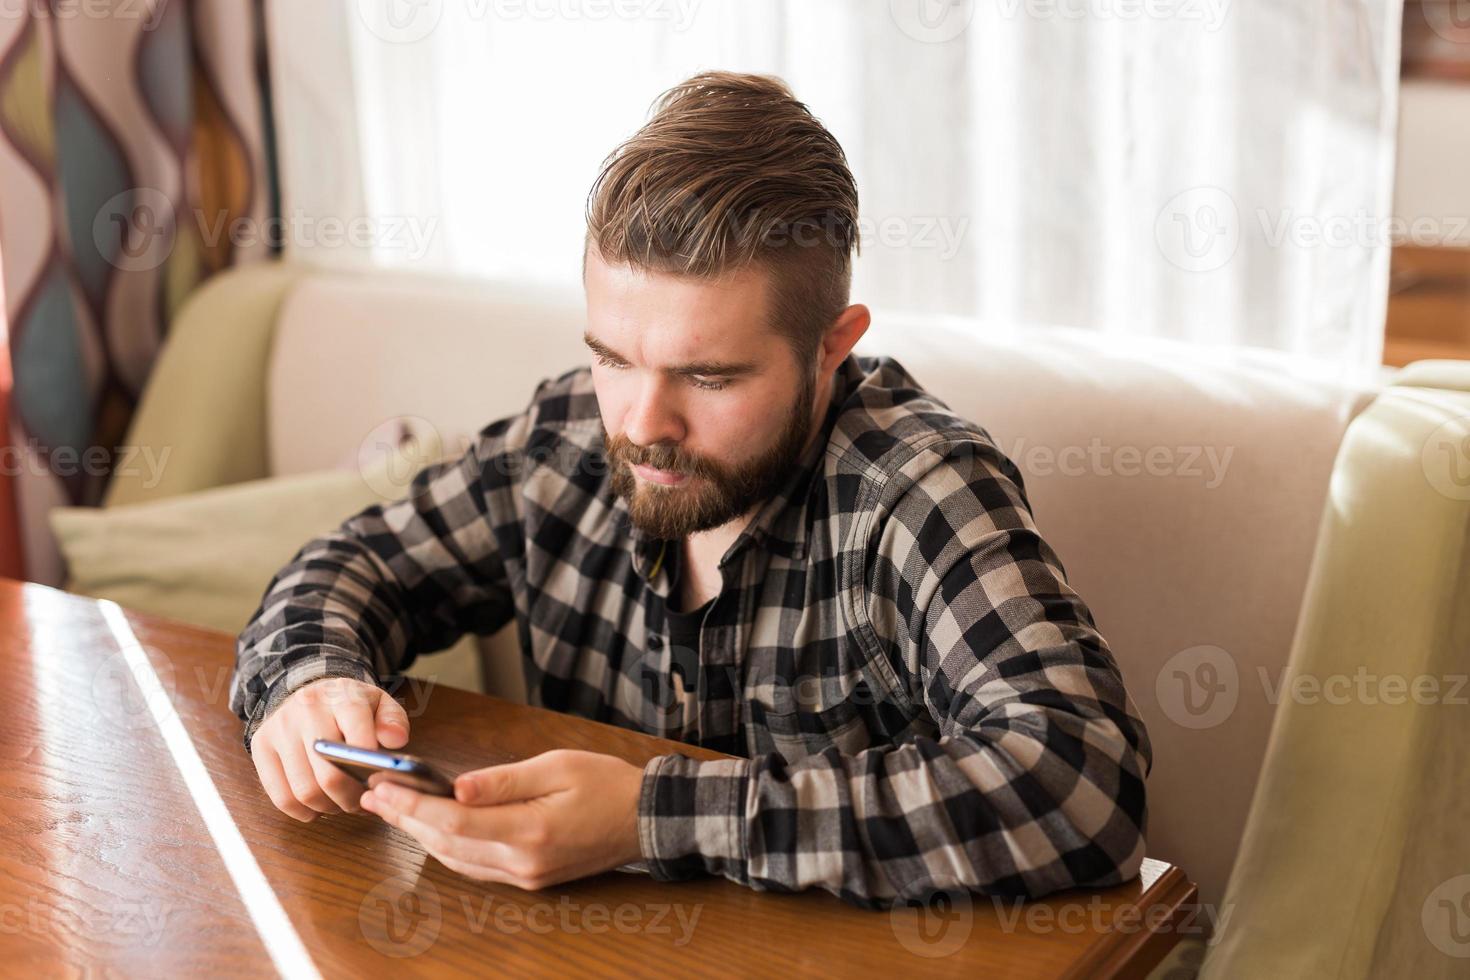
(372, 766)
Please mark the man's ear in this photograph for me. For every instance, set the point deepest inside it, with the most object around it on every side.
(842, 337)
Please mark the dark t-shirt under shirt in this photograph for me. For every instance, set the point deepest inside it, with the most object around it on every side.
(684, 638)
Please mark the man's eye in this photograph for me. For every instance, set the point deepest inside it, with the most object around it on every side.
(708, 384)
(606, 361)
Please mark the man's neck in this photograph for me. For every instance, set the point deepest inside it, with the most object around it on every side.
(699, 575)
(701, 552)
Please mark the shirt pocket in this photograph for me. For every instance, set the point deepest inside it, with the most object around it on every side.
(797, 733)
(801, 702)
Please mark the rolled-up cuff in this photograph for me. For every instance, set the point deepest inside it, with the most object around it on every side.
(289, 684)
(691, 817)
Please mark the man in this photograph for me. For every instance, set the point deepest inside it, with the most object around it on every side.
(729, 531)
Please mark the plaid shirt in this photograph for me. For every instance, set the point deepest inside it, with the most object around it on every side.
(918, 700)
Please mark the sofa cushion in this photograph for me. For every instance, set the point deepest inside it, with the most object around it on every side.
(206, 557)
(202, 415)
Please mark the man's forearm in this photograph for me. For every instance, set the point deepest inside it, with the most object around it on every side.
(317, 620)
(1007, 816)
(392, 581)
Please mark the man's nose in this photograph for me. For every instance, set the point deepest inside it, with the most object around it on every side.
(653, 417)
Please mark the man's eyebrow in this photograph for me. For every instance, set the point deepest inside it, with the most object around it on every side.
(722, 369)
(602, 350)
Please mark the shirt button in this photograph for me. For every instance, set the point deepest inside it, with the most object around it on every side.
(655, 642)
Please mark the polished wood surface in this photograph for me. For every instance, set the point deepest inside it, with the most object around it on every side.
(108, 864)
(1428, 304)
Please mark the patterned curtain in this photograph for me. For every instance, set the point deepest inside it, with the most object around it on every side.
(134, 163)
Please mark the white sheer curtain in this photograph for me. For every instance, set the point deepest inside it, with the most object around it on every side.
(1209, 170)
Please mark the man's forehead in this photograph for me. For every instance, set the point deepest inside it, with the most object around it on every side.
(682, 315)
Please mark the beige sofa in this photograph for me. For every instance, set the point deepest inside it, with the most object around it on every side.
(1184, 490)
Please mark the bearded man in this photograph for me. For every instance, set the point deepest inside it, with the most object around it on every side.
(728, 530)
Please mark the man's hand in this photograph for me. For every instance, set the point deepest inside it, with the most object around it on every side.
(300, 782)
(560, 815)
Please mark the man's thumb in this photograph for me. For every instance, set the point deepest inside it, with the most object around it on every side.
(505, 783)
(391, 723)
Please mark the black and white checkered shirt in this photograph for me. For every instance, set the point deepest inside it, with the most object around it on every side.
(918, 700)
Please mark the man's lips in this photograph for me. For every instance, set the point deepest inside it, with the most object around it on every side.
(659, 476)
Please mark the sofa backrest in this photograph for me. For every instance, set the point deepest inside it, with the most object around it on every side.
(354, 355)
(1182, 489)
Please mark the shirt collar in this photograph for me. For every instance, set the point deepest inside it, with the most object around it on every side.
(782, 522)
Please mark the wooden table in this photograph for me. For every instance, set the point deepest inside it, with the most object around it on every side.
(137, 841)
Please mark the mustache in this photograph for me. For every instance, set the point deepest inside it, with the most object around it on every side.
(671, 459)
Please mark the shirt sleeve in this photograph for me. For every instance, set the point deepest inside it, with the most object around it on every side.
(1035, 781)
(391, 582)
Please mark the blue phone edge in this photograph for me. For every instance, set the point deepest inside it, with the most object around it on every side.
(351, 753)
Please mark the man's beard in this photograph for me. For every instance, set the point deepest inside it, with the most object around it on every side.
(721, 494)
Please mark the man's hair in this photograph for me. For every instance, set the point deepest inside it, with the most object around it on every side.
(730, 170)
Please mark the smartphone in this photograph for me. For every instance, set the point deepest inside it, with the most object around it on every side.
(372, 766)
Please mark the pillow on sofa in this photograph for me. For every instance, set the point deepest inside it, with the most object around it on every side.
(206, 557)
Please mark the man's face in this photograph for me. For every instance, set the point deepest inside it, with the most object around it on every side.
(704, 411)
